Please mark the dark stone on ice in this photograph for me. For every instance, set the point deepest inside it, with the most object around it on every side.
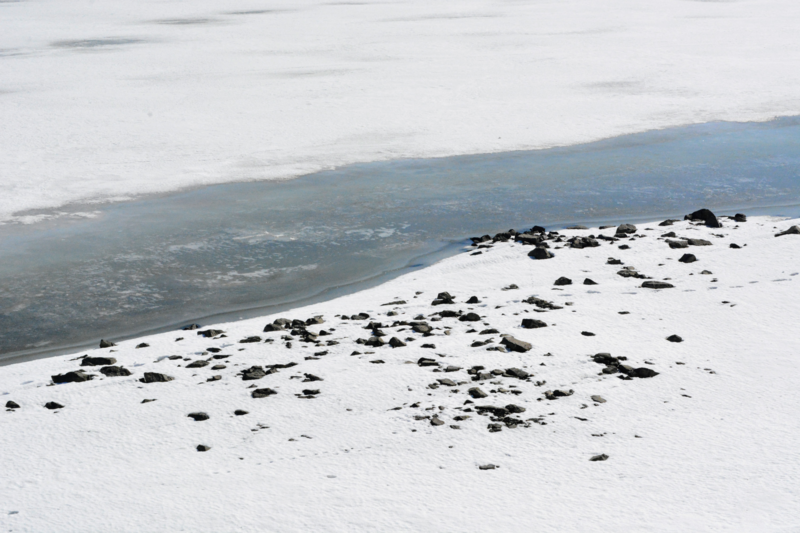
(540, 253)
(532, 323)
(53, 405)
(706, 216)
(515, 345)
(612, 261)
(311, 377)
(208, 333)
(668, 222)
(517, 373)
(310, 392)
(200, 363)
(240, 412)
(735, 246)
(262, 393)
(436, 421)
(446, 382)
(115, 371)
(687, 258)
(698, 242)
(643, 372)
(426, 361)
(394, 342)
(626, 228)
(740, 217)
(587, 333)
(154, 377)
(794, 230)
(541, 304)
(511, 408)
(473, 300)
(12, 405)
(588, 281)
(253, 373)
(203, 448)
(488, 467)
(674, 338)
(563, 281)
(470, 317)
(605, 359)
(72, 377)
(250, 340)
(598, 399)
(97, 361)
(678, 244)
(375, 342)
(477, 393)
(553, 394)
(601, 457)
(198, 417)
(142, 345)
(106, 344)
(657, 285)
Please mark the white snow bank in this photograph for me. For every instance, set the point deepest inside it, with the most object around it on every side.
(103, 99)
(712, 444)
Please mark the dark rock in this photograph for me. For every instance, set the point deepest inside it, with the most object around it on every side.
(657, 285)
(148, 400)
(588, 281)
(203, 448)
(12, 405)
(240, 412)
(262, 393)
(587, 333)
(200, 363)
(106, 344)
(446, 382)
(532, 323)
(706, 216)
(97, 361)
(577, 226)
(473, 300)
(674, 338)
(198, 417)
(394, 342)
(515, 345)
(443, 298)
(72, 377)
(601, 457)
(470, 317)
(511, 408)
(563, 281)
(554, 394)
(540, 253)
(53, 405)
(250, 340)
(436, 421)
(735, 246)
(477, 393)
(698, 242)
(272, 327)
(511, 287)
(794, 230)
(612, 261)
(142, 345)
(623, 247)
(517, 373)
(630, 272)
(687, 258)
(605, 359)
(626, 228)
(740, 217)
(449, 313)
(375, 342)
(598, 399)
(253, 373)
(643, 372)
(541, 304)
(668, 222)
(426, 361)
(115, 371)
(191, 327)
(488, 467)
(677, 244)
(154, 377)
(310, 392)
(311, 377)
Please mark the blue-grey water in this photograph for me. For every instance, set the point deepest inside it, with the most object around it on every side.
(239, 250)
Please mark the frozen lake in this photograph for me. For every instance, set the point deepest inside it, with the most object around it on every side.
(240, 250)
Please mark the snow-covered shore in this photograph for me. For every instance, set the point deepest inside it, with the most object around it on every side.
(710, 443)
(110, 99)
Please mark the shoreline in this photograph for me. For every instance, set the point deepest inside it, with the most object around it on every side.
(331, 293)
(586, 403)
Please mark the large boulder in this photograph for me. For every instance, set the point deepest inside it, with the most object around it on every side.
(706, 216)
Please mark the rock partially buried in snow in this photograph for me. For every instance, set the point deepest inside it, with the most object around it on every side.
(106, 344)
(515, 345)
(71, 377)
(53, 405)
(532, 323)
(794, 230)
(12, 405)
(563, 281)
(706, 216)
(198, 417)
(203, 448)
(155, 377)
(263, 393)
(687, 258)
(601, 457)
(470, 317)
(115, 371)
(657, 285)
(97, 361)
(540, 253)
(477, 393)
(675, 338)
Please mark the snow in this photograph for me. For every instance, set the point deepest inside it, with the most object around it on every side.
(718, 445)
(107, 100)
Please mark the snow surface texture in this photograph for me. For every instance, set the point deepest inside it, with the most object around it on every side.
(712, 443)
(108, 99)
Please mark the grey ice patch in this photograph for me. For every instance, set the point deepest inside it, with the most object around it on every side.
(86, 44)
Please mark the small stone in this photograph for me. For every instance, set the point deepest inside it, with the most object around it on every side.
(106, 344)
(488, 467)
(262, 393)
(540, 253)
(447, 382)
(12, 405)
(515, 345)
(203, 448)
(477, 393)
(587, 333)
(148, 400)
(394, 342)
(473, 300)
(115, 371)
(532, 323)
(470, 317)
(588, 281)
(706, 216)
(598, 399)
(97, 361)
(142, 345)
(436, 421)
(53, 405)
(197, 364)
(643, 372)
(250, 340)
(198, 417)
(735, 246)
(675, 338)
(740, 217)
(154, 377)
(687, 258)
(240, 412)
(657, 285)
(601, 457)
(72, 377)
(563, 281)
(253, 373)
